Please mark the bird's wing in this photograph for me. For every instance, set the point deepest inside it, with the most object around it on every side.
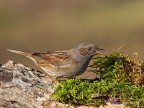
(56, 58)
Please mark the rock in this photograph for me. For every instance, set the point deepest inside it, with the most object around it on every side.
(23, 87)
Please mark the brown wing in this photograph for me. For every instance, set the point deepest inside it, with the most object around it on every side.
(56, 58)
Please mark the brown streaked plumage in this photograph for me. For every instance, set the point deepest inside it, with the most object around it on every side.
(68, 63)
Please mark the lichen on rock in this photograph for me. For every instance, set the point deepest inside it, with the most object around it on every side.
(23, 87)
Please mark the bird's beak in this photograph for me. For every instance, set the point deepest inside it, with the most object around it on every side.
(99, 51)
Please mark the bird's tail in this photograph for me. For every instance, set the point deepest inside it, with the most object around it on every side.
(21, 53)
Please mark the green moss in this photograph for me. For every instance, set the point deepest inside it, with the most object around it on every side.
(119, 76)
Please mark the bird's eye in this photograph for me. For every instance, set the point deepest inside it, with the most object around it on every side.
(89, 48)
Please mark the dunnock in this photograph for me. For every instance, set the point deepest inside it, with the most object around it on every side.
(67, 63)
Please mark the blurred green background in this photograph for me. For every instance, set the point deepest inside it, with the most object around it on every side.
(39, 26)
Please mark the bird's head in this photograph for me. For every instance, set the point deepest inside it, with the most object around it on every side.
(87, 49)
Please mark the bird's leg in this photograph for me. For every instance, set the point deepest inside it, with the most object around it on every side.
(55, 80)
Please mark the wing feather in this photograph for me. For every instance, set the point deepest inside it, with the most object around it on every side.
(57, 58)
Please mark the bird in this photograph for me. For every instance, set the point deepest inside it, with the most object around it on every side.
(66, 63)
